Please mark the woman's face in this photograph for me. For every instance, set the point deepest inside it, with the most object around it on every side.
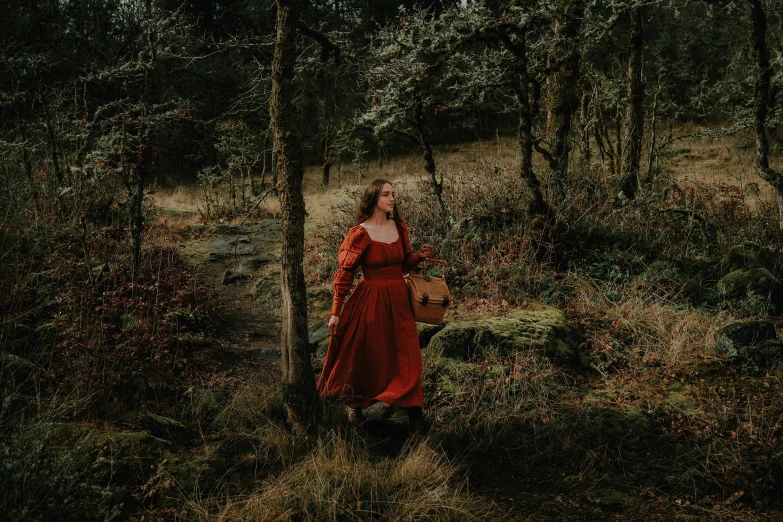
(385, 201)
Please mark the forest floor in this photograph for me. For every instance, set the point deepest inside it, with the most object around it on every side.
(139, 411)
(249, 353)
(516, 486)
(519, 485)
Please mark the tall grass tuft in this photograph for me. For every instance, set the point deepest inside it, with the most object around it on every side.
(339, 480)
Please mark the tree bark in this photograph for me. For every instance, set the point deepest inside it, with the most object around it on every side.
(429, 157)
(630, 178)
(299, 394)
(653, 134)
(327, 166)
(563, 89)
(758, 42)
(538, 206)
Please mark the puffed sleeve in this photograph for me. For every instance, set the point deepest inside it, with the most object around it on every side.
(411, 260)
(348, 259)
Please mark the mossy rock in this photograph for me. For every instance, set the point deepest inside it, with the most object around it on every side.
(545, 330)
(760, 281)
(752, 343)
(105, 451)
(427, 332)
(748, 333)
(230, 277)
(267, 289)
(684, 402)
(746, 255)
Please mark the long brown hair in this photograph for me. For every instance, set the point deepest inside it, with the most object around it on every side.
(370, 199)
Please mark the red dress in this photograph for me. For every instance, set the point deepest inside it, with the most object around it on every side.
(375, 354)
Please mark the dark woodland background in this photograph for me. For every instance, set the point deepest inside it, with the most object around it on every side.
(604, 178)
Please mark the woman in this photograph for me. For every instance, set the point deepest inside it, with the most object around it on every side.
(374, 352)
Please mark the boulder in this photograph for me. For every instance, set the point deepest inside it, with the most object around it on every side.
(746, 255)
(230, 277)
(759, 281)
(241, 250)
(452, 376)
(747, 333)
(752, 341)
(545, 330)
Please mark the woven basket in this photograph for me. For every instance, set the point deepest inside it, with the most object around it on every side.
(429, 296)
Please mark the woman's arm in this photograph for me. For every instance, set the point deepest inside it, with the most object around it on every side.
(348, 259)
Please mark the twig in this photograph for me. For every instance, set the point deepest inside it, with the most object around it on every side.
(265, 194)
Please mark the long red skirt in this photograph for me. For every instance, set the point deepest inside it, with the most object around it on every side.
(375, 354)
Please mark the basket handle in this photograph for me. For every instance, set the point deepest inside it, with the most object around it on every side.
(439, 261)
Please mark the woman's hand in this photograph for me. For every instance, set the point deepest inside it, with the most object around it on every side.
(332, 324)
(426, 251)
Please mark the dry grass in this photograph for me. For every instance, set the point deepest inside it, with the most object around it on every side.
(339, 480)
(722, 160)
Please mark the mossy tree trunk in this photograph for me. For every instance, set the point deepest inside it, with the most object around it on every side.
(299, 392)
(758, 42)
(563, 87)
(518, 47)
(630, 177)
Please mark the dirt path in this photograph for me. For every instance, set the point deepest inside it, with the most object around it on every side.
(240, 263)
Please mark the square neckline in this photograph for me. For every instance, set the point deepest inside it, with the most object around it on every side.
(381, 242)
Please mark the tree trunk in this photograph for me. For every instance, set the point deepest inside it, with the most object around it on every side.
(429, 157)
(653, 134)
(563, 89)
(327, 166)
(538, 206)
(299, 394)
(630, 179)
(617, 166)
(761, 102)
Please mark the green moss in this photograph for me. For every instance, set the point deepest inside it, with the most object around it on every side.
(746, 255)
(743, 281)
(267, 289)
(544, 330)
